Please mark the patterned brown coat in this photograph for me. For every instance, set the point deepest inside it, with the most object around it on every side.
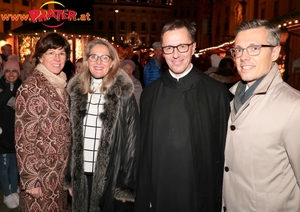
(42, 136)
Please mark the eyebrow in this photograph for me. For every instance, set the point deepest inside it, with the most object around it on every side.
(250, 44)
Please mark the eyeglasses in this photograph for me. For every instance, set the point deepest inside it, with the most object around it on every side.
(252, 50)
(104, 58)
(182, 48)
(52, 54)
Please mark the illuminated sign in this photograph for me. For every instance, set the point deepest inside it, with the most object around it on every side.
(41, 15)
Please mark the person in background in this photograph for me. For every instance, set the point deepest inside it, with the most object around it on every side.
(154, 68)
(215, 61)
(26, 67)
(69, 70)
(42, 128)
(129, 67)
(226, 72)
(9, 176)
(78, 65)
(105, 133)
(262, 154)
(184, 118)
(6, 50)
(139, 69)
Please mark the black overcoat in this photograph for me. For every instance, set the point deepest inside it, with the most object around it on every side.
(115, 172)
(207, 106)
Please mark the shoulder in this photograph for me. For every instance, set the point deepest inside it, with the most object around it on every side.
(73, 85)
(122, 85)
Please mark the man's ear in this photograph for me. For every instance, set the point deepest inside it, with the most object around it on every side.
(275, 53)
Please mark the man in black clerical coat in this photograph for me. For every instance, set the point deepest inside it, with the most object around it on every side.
(184, 117)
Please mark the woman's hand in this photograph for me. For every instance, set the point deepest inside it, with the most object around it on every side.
(35, 192)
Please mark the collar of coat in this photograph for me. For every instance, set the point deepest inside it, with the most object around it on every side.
(122, 87)
(271, 79)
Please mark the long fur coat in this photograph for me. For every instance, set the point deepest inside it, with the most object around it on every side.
(115, 172)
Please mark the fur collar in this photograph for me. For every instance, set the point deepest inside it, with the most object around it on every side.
(122, 87)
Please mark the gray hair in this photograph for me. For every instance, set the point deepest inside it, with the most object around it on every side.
(274, 33)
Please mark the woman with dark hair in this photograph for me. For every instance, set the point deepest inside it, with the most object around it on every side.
(42, 128)
(105, 132)
(226, 72)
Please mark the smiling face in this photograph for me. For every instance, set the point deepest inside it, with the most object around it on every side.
(98, 68)
(54, 60)
(251, 68)
(178, 62)
(11, 75)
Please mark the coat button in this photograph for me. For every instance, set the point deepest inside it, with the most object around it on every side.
(232, 127)
(226, 169)
(224, 208)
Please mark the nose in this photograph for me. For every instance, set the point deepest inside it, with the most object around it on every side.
(56, 57)
(176, 53)
(245, 55)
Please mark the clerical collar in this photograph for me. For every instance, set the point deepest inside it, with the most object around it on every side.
(183, 74)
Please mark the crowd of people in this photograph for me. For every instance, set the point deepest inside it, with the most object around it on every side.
(102, 134)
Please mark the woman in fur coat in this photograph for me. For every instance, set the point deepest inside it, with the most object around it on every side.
(105, 131)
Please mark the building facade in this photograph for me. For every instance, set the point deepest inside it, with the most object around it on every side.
(221, 17)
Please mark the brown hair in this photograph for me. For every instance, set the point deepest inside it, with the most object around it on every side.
(51, 40)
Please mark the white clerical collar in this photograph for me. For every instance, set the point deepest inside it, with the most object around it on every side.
(182, 75)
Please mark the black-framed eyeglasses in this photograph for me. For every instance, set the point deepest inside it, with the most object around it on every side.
(104, 58)
(253, 50)
(182, 48)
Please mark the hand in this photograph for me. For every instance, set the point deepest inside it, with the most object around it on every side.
(70, 191)
(35, 192)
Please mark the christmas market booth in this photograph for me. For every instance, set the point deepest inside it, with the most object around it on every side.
(78, 35)
(290, 47)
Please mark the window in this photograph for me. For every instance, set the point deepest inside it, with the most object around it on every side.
(188, 13)
(226, 19)
(100, 25)
(175, 13)
(111, 25)
(255, 14)
(6, 26)
(132, 26)
(122, 27)
(263, 11)
(143, 40)
(25, 2)
(153, 27)
(143, 26)
(195, 14)
(276, 9)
